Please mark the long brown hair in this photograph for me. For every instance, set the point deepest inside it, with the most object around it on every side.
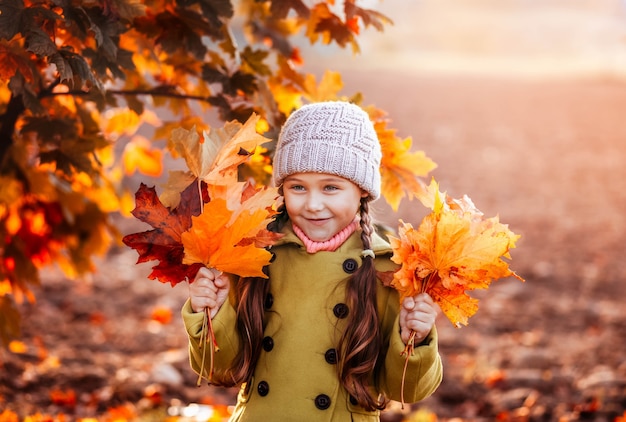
(360, 344)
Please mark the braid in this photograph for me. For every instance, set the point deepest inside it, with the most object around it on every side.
(361, 342)
(366, 224)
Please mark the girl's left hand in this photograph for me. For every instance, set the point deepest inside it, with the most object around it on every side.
(418, 313)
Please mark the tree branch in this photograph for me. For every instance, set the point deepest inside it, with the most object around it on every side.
(154, 93)
(7, 124)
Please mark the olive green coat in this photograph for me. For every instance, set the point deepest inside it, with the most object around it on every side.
(295, 378)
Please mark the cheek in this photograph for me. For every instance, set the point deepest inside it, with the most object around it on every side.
(291, 205)
(357, 200)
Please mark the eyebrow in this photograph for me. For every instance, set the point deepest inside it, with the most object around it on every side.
(329, 179)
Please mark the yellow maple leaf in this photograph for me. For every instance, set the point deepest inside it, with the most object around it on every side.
(287, 96)
(124, 121)
(139, 156)
(401, 167)
(319, 12)
(177, 181)
(214, 158)
(199, 155)
(218, 238)
(328, 88)
(430, 197)
(451, 252)
(164, 131)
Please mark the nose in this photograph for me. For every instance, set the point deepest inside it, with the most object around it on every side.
(314, 202)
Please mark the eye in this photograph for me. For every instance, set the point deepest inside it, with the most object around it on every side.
(296, 187)
(331, 188)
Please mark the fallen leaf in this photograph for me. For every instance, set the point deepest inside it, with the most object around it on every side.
(19, 347)
(9, 416)
(66, 398)
(161, 315)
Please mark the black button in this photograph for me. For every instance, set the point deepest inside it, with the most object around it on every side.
(269, 301)
(331, 356)
(322, 402)
(353, 400)
(268, 344)
(263, 388)
(350, 265)
(340, 310)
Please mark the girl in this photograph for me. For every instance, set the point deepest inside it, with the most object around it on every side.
(321, 338)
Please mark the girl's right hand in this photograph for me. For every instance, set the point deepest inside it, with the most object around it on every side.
(208, 290)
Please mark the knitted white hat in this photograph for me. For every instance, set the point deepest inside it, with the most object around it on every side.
(330, 137)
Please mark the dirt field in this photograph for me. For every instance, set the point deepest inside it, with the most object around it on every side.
(548, 157)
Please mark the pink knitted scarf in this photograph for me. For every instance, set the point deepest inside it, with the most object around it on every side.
(328, 245)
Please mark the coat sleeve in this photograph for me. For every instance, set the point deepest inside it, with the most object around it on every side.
(424, 370)
(224, 327)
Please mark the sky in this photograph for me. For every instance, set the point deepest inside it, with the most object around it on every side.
(519, 37)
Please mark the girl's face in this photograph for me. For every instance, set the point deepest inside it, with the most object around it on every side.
(321, 204)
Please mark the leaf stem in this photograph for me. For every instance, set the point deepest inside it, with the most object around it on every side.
(207, 336)
(213, 342)
(200, 195)
(202, 345)
(409, 348)
(408, 351)
(426, 281)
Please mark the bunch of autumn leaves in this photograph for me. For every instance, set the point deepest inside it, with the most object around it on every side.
(207, 216)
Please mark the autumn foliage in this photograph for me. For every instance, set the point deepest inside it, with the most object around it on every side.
(216, 221)
(82, 85)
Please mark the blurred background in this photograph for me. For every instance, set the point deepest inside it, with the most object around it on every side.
(520, 38)
(521, 104)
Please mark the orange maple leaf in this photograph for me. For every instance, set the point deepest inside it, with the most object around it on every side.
(14, 59)
(451, 252)
(353, 25)
(222, 237)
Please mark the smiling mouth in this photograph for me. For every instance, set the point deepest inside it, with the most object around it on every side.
(317, 221)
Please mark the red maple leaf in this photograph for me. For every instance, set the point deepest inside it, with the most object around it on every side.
(163, 243)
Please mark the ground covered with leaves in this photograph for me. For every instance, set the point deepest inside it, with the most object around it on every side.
(546, 156)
